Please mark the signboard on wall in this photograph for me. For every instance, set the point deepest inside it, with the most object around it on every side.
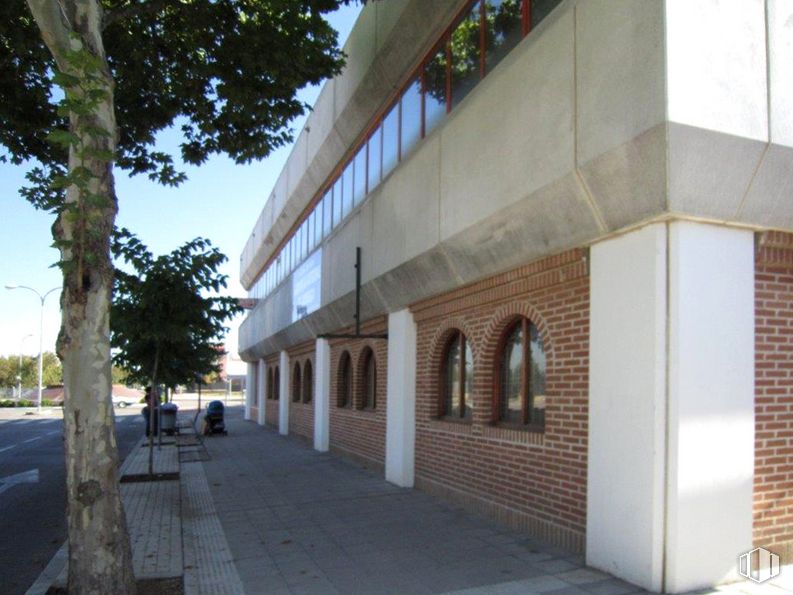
(307, 286)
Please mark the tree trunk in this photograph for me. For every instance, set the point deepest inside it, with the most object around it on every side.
(100, 558)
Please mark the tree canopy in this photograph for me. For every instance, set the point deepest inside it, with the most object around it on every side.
(165, 329)
(225, 72)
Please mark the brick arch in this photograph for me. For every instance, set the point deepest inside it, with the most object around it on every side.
(437, 350)
(495, 334)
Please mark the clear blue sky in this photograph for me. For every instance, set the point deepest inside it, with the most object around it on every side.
(220, 201)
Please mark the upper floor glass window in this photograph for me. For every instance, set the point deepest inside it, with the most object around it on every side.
(465, 42)
(435, 92)
(411, 117)
(391, 140)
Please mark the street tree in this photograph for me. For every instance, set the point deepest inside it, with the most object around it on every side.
(225, 72)
(167, 321)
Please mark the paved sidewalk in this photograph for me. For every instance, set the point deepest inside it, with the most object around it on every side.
(255, 512)
(299, 521)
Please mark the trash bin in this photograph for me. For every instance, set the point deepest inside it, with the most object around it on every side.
(168, 418)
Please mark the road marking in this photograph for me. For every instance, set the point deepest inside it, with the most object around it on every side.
(31, 476)
(55, 432)
(33, 439)
(8, 448)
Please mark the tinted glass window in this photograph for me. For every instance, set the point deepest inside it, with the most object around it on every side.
(374, 146)
(347, 186)
(359, 185)
(511, 366)
(308, 383)
(503, 29)
(296, 389)
(337, 201)
(537, 378)
(458, 399)
(452, 376)
(541, 9)
(411, 117)
(465, 54)
(435, 90)
(370, 382)
(345, 381)
(390, 140)
(327, 213)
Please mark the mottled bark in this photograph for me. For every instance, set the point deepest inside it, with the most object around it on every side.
(100, 559)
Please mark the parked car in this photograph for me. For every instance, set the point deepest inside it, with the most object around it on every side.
(123, 401)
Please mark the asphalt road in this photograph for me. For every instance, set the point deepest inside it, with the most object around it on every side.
(33, 490)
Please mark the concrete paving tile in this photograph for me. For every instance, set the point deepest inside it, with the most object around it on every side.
(610, 586)
(554, 566)
(582, 576)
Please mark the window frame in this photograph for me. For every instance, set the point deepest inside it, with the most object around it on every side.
(525, 377)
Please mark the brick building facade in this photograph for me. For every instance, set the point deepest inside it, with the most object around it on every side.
(575, 275)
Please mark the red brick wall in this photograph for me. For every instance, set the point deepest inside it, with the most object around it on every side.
(354, 432)
(536, 481)
(773, 477)
(301, 415)
(271, 405)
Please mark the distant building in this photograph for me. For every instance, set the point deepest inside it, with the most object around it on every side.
(576, 230)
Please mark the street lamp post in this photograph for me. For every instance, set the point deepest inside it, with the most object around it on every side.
(41, 332)
(19, 375)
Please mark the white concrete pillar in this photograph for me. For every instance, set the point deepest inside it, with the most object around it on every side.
(283, 403)
(261, 390)
(322, 396)
(400, 451)
(250, 389)
(671, 412)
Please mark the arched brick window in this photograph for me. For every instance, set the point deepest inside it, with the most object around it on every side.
(270, 384)
(296, 380)
(521, 377)
(457, 374)
(344, 381)
(308, 382)
(276, 384)
(368, 380)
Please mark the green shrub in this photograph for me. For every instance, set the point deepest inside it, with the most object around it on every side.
(48, 403)
(7, 403)
(25, 403)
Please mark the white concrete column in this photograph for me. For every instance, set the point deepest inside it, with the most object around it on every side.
(250, 389)
(261, 390)
(283, 403)
(322, 396)
(400, 451)
(671, 412)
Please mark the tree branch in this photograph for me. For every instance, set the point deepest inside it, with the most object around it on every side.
(133, 10)
(54, 25)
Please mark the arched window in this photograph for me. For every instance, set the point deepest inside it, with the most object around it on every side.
(270, 389)
(457, 379)
(344, 388)
(308, 382)
(277, 384)
(296, 379)
(522, 376)
(369, 380)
